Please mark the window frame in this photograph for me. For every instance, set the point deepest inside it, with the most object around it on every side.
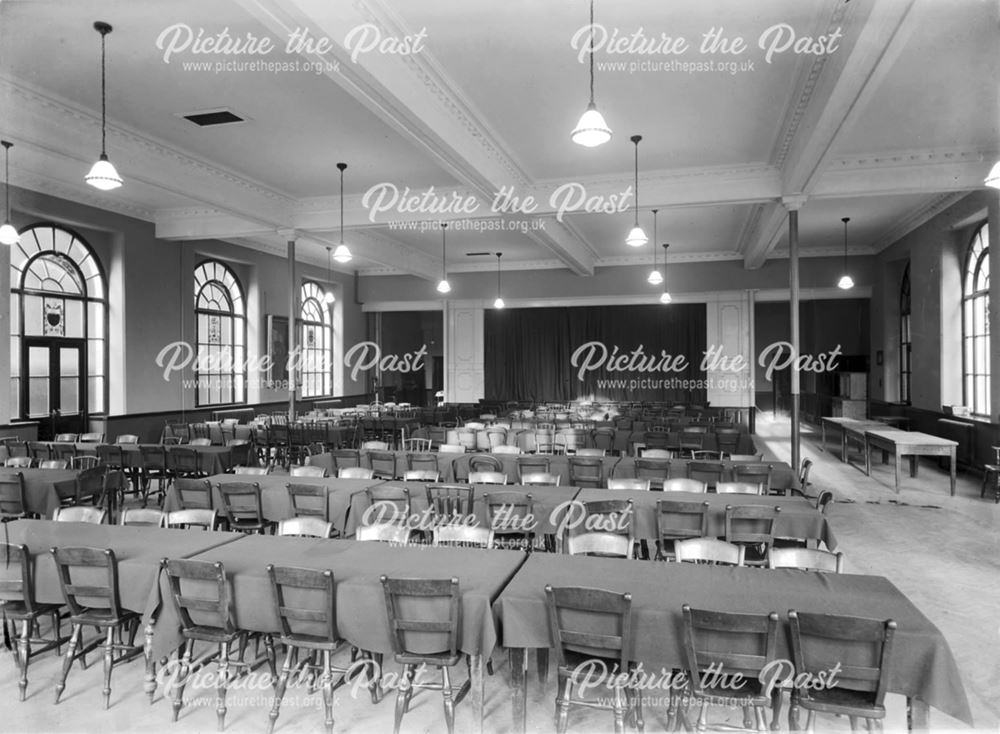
(905, 339)
(310, 293)
(235, 296)
(976, 368)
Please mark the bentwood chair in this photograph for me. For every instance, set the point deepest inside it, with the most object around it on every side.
(308, 618)
(819, 644)
(595, 625)
(79, 571)
(485, 463)
(201, 588)
(677, 521)
(241, 505)
(17, 603)
(738, 644)
(13, 500)
(141, 517)
(429, 638)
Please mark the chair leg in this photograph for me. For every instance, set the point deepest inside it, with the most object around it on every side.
(402, 697)
(74, 640)
(109, 664)
(775, 708)
(279, 693)
(182, 674)
(793, 713)
(640, 722)
(220, 691)
(562, 704)
(449, 702)
(328, 690)
(22, 654)
(618, 710)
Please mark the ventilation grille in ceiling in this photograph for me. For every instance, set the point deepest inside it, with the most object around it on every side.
(213, 117)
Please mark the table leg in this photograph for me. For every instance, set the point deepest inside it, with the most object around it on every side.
(149, 682)
(917, 715)
(914, 465)
(519, 684)
(822, 428)
(868, 458)
(895, 468)
(542, 664)
(477, 692)
(844, 445)
(951, 455)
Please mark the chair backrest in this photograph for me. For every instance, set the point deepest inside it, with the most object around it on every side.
(823, 500)
(374, 446)
(110, 454)
(424, 461)
(450, 500)
(184, 459)
(487, 477)
(466, 536)
(417, 445)
(510, 513)
(421, 475)
(603, 438)
(609, 545)
(709, 551)
(39, 451)
(739, 488)
(19, 462)
(394, 502)
(309, 500)
(804, 473)
(92, 593)
(680, 521)
(153, 457)
(84, 461)
(142, 516)
(665, 454)
(193, 494)
(209, 601)
(91, 437)
(127, 438)
(753, 473)
(241, 503)
(252, 471)
(200, 442)
(586, 471)
(206, 519)
(683, 484)
(745, 458)
(305, 527)
(627, 483)
(355, 472)
(451, 448)
(402, 596)
(293, 611)
(383, 532)
(13, 500)
(729, 642)
(307, 471)
(806, 559)
(532, 465)
(63, 451)
(541, 478)
(822, 641)
(485, 463)
(343, 458)
(79, 513)
(591, 452)
(506, 449)
(709, 472)
(14, 586)
(751, 524)
(591, 622)
(727, 439)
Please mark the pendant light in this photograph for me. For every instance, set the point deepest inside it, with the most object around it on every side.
(342, 254)
(328, 296)
(8, 235)
(636, 237)
(665, 296)
(654, 275)
(498, 304)
(103, 175)
(846, 281)
(444, 286)
(591, 130)
(993, 179)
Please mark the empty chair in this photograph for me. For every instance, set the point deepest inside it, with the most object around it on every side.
(755, 474)
(451, 448)
(374, 446)
(570, 440)
(79, 513)
(53, 464)
(656, 454)
(186, 519)
(65, 438)
(87, 575)
(305, 527)
(745, 457)
(739, 488)
(417, 445)
(383, 464)
(532, 465)
(487, 477)
(496, 437)
(127, 438)
(355, 472)
(752, 526)
(691, 441)
(184, 462)
(604, 439)
(154, 467)
(629, 483)
(727, 439)
(95, 437)
(307, 471)
(309, 500)
(241, 506)
(823, 500)
(819, 643)
(383, 532)
(413, 638)
(19, 462)
(484, 463)
(587, 471)
(84, 461)
(676, 521)
(804, 474)
(13, 500)
(388, 503)
(421, 475)
(18, 604)
(709, 472)
(252, 471)
(193, 494)
(806, 559)
(708, 551)
(466, 536)
(683, 484)
(595, 543)
(449, 502)
(544, 441)
(593, 624)
(590, 452)
(541, 478)
(737, 644)
(511, 517)
(141, 516)
(345, 457)
(607, 530)
(422, 462)
(506, 449)
(200, 442)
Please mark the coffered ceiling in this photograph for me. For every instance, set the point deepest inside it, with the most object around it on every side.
(892, 120)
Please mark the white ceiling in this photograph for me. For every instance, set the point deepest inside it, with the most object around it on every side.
(892, 125)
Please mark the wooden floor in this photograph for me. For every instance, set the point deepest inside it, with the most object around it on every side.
(943, 552)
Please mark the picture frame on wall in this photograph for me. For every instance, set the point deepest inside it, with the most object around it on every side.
(277, 350)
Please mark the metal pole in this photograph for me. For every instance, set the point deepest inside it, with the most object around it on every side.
(793, 282)
(293, 312)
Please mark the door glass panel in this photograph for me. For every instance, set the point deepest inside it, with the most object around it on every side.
(69, 395)
(38, 361)
(69, 362)
(38, 396)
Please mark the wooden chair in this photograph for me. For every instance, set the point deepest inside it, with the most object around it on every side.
(309, 500)
(39, 451)
(626, 483)
(683, 484)
(18, 604)
(108, 617)
(485, 463)
(154, 467)
(449, 502)
(84, 461)
(355, 472)
(79, 513)
(13, 500)
(603, 439)
(19, 462)
(374, 446)
(751, 458)
(383, 464)
(593, 543)
(586, 471)
(183, 462)
(201, 588)
(506, 449)
(804, 474)
(487, 477)
(806, 559)
(421, 475)
(417, 445)
(677, 521)
(383, 532)
(463, 536)
(307, 471)
(63, 451)
(242, 508)
(451, 448)
(708, 551)
(193, 494)
(400, 597)
(823, 500)
(424, 462)
(343, 458)
(141, 516)
(739, 488)
(593, 624)
(691, 441)
(389, 503)
(511, 517)
(753, 474)
(315, 605)
(127, 438)
(737, 645)
(544, 479)
(305, 527)
(94, 437)
(820, 642)
(727, 439)
(532, 465)
(752, 526)
(252, 471)
(187, 519)
(709, 472)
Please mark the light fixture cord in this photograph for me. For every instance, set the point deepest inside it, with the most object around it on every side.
(636, 183)
(6, 179)
(104, 119)
(444, 270)
(845, 220)
(654, 237)
(498, 274)
(591, 51)
(341, 206)
(665, 246)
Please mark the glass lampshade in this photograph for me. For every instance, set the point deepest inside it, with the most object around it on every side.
(444, 286)
(103, 175)
(342, 254)
(592, 130)
(994, 178)
(8, 235)
(636, 237)
(655, 278)
(665, 297)
(499, 303)
(846, 282)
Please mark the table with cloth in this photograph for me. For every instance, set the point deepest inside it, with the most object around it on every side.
(138, 550)
(783, 477)
(274, 494)
(45, 488)
(547, 503)
(357, 566)
(211, 459)
(798, 517)
(923, 668)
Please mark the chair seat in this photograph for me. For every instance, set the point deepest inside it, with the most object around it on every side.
(312, 642)
(18, 611)
(992, 467)
(252, 525)
(98, 617)
(435, 659)
(838, 700)
(750, 693)
(205, 633)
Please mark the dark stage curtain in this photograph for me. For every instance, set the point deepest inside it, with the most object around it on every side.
(529, 353)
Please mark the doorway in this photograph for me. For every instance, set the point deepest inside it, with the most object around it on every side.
(54, 388)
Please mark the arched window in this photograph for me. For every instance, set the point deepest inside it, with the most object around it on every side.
(976, 323)
(905, 338)
(220, 315)
(58, 321)
(315, 341)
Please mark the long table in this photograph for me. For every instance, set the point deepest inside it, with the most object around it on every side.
(783, 477)
(848, 428)
(909, 443)
(923, 669)
(44, 489)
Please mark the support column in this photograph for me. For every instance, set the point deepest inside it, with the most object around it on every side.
(752, 358)
(293, 313)
(793, 204)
